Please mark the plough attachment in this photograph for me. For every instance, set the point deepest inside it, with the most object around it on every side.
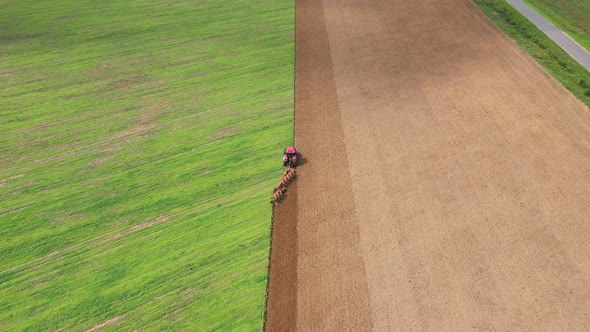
(279, 192)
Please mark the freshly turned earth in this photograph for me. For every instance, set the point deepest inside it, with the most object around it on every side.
(446, 182)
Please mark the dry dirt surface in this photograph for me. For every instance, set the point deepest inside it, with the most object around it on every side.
(447, 181)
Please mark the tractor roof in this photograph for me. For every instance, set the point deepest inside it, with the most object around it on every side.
(290, 149)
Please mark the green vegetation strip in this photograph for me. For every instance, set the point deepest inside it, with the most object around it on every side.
(140, 143)
(571, 16)
(548, 54)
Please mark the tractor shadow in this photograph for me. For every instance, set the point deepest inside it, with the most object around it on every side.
(301, 160)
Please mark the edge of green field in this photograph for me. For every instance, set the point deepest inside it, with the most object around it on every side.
(540, 47)
(140, 144)
(570, 16)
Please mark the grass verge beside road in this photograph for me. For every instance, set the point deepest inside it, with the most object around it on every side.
(571, 16)
(140, 143)
(548, 54)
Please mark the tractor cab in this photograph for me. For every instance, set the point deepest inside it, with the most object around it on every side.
(290, 157)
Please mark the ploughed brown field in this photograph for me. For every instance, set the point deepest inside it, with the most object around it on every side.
(445, 182)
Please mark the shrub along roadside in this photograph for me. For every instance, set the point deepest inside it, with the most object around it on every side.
(546, 52)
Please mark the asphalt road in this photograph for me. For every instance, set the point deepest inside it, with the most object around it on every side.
(561, 38)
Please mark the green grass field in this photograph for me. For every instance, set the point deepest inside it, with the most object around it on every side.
(541, 48)
(139, 144)
(571, 16)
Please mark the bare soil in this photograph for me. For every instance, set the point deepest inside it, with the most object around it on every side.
(281, 303)
(447, 182)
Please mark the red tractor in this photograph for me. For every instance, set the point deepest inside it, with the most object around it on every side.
(290, 157)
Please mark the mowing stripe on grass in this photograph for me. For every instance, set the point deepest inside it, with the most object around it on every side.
(140, 143)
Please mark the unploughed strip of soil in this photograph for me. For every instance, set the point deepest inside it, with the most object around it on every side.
(446, 185)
